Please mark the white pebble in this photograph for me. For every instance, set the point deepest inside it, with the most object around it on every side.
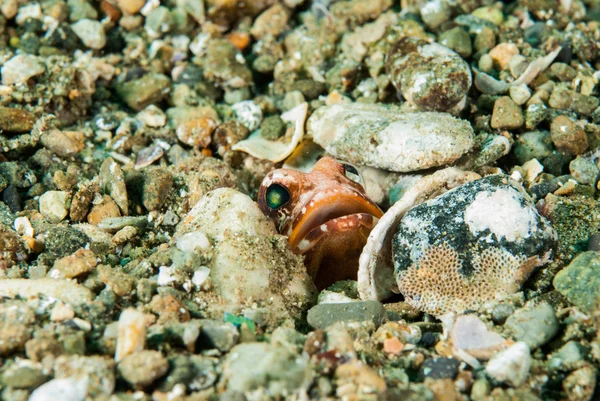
(20, 68)
(132, 333)
(53, 205)
(248, 113)
(200, 276)
(510, 366)
(196, 241)
(68, 389)
(23, 226)
(90, 32)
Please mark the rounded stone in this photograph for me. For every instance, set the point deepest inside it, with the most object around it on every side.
(91, 33)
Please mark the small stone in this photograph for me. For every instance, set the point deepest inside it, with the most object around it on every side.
(24, 376)
(568, 136)
(520, 94)
(469, 334)
(501, 312)
(492, 14)
(142, 92)
(112, 182)
(324, 315)
(68, 389)
(104, 209)
(220, 335)
(533, 145)
(147, 156)
(61, 312)
(579, 282)
(131, 6)
(120, 283)
(90, 32)
(195, 241)
(15, 120)
(272, 21)
(158, 22)
(458, 40)
(517, 65)
(435, 12)
(54, 205)
(272, 128)
(142, 368)
(534, 325)
(125, 235)
(196, 132)
(569, 354)
(510, 366)
(580, 384)
(507, 114)
(563, 71)
(440, 368)
(81, 262)
(64, 144)
(9, 8)
(503, 53)
(132, 333)
(248, 113)
(152, 116)
(584, 170)
(565, 99)
(21, 68)
(157, 185)
(98, 372)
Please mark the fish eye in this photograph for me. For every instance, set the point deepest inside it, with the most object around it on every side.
(352, 173)
(277, 196)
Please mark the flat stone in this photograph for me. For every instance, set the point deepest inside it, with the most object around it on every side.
(381, 136)
(324, 315)
(507, 114)
(20, 68)
(15, 120)
(534, 325)
(142, 92)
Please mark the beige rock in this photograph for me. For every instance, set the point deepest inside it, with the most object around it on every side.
(20, 68)
(81, 262)
(54, 205)
(567, 136)
(130, 6)
(502, 54)
(64, 144)
(132, 333)
(103, 210)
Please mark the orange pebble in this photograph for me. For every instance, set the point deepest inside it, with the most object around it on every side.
(241, 40)
(110, 10)
(393, 345)
(207, 152)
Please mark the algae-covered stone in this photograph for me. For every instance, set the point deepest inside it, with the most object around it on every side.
(157, 185)
(533, 145)
(275, 369)
(381, 136)
(428, 75)
(142, 92)
(326, 314)
(535, 325)
(15, 120)
(272, 128)
(484, 238)
(584, 170)
(142, 368)
(579, 282)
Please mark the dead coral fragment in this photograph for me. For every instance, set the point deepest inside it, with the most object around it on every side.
(437, 284)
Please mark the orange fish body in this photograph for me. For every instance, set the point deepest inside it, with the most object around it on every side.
(325, 214)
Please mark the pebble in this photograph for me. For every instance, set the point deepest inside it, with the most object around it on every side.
(435, 12)
(248, 113)
(272, 21)
(584, 170)
(132, 333)
(142, 92)
(196, 132)
(533, 145)
(579, 282)
(131, 6)
(534, 325)
(152, 116)
(277, 370)
(21, 68)
(15, 120)
(501, 312)
(195, 241)
(324, 315)
(68, 389)
(507, 114)
(53, 205)
(157, 185)
(458, 40)
(81, 262)
(520, 94)
(440, 368)
(149, 155)
(568, 136)
(97, 371)
(218, 335)
(428, 75)
(581, 384)
(90, 32)
(565, 99)
(272, 128)
(569, 354)
(63, 143)
(104, 209)
(503, 53)
(158, 22)
(563, 72)
(470, 335)
(409, 141)
(143, 368)
(112, 182)
(510, 366)
(492, 14)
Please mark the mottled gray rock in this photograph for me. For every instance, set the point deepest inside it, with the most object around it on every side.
(533, 145)
(484, 238)
(584, 170)
(535, 325)
(277, 370)
(381, 136)
(324, 315)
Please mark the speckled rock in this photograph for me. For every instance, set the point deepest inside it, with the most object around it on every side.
(142, 368)
(54, 205)
(535, 325)
(507, 114)
(428, 75)
(157, 185)
(580, 281)
(533, 145)
(485, 238)
(142, 92)
(584, 170)
(250, 263)
(568, 136)
(15, 120)
(255, 366)
(383, 137)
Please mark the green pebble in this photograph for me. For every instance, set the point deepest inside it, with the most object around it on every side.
(272, 128)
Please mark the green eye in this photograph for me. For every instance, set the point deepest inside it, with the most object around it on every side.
(352, 173)
(277, 196)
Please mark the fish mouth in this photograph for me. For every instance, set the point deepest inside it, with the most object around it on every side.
(331, 210)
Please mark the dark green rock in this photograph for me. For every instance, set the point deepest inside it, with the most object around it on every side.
(579, 282)
(142, 92)
(272, 128)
